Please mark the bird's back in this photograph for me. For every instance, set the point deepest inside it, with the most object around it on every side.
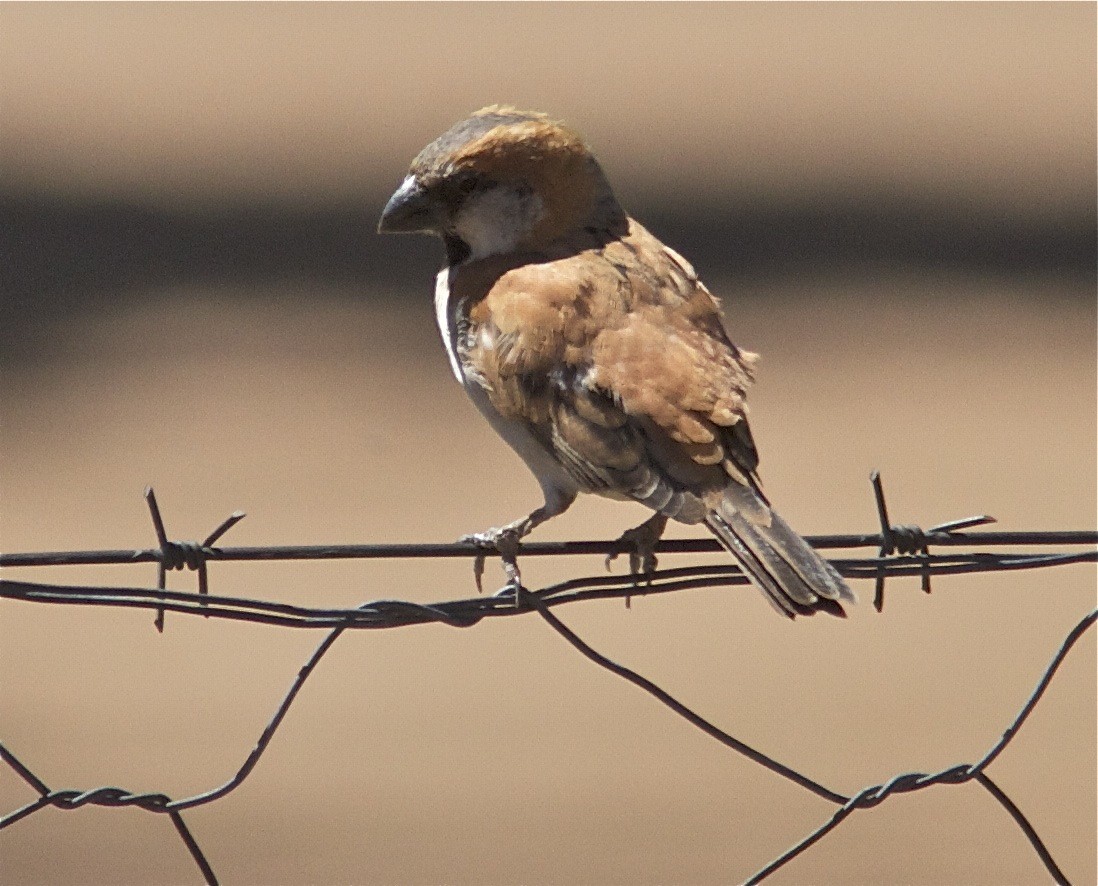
(614, 352)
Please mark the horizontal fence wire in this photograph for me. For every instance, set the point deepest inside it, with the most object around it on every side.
(901, 551)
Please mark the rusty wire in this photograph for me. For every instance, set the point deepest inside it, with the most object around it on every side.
(902, 550)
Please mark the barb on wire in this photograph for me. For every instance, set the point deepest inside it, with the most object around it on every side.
(183, 554)
(890, 540)
(909, 539)
(466, 612)
(902, 550)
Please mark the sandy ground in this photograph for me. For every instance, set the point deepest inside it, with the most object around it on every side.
(497, 754)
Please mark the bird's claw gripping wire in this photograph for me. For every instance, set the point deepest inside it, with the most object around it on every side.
(504, 541)
(640, 544)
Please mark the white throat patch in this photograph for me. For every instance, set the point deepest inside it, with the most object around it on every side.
(497, 220)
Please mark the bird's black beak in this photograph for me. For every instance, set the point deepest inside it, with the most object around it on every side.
(409, 209)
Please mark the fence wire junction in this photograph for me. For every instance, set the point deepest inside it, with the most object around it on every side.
(901, 551)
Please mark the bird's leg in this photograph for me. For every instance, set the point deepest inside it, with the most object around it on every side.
(640, 543)
(504, 540)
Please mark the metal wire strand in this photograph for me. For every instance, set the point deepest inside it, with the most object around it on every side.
(902, 550)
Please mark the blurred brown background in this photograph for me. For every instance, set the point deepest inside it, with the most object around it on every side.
(896, 204)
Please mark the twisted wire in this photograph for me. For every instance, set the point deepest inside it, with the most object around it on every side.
(902, 550)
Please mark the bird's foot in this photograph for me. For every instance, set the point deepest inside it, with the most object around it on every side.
(503, 540)
(640, 544)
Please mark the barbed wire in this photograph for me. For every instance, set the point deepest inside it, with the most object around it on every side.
(902, 551)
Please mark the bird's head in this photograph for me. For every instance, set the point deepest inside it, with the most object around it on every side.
(499, 181)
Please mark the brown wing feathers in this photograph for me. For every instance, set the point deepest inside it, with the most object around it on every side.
(590, 346)
(621, 367)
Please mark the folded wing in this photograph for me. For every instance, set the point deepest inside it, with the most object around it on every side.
(615, 358)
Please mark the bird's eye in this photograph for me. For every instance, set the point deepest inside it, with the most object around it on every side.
(466, 182)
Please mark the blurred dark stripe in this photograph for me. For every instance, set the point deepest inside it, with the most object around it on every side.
(59, 258)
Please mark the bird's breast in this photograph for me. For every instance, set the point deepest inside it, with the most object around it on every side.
(454, 324)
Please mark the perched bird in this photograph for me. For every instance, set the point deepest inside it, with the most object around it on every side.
(594, 350)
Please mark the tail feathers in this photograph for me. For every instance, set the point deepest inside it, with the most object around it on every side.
(793, 577)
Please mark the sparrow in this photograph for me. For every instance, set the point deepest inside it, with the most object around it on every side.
(594, 350)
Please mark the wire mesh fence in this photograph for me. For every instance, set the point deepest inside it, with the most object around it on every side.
(901, 551)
